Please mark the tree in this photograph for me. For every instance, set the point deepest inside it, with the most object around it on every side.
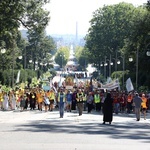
(13, 14)
(116, 30)
(62, 56)
(110, 25)
(81, 56)
(137, 43)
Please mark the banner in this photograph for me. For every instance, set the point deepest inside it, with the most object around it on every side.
(76, 80)
(18, 77)
(112, 85)
(60, 81)
(129, 85)
(69, 82)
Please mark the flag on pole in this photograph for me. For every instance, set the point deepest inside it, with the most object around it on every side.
(50, 83)
(129, 85)
(60, 82)
(91, 84)
(18, 77)
(76, 80)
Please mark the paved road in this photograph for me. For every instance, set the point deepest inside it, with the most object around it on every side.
(34, 130)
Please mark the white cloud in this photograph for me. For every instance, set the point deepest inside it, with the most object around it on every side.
(65, 13)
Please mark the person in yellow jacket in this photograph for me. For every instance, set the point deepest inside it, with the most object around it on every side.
(40, 99)
(1, 98)
(143, 105)
(97, 101)
(52, 99)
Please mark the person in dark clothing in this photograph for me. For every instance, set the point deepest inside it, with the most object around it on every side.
(80, 97)
(32, 100)
(27, 99)
(74, 100)
(90, 100)
(108, 109)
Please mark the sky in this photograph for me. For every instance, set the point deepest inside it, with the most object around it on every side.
(66, 13)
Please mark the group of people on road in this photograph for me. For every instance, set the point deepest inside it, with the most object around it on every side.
(76, 99)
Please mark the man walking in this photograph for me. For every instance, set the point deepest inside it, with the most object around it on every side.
(80, 97)
(137, 102)
(61, 101)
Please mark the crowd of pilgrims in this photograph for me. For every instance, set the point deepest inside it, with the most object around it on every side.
(72, 99)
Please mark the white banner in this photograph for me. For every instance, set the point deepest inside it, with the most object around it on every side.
(112, 85)
(129, 85)
(18, 77)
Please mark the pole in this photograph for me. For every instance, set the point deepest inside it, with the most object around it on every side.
(25, 63)
(62, 62)
(123, 70)
(137, 62)
(116, 61)
(110, 66)
(13, 61)
(105, 68)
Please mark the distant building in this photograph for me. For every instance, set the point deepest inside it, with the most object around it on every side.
(72, 63)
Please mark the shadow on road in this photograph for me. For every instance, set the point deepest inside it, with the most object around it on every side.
(118, 130)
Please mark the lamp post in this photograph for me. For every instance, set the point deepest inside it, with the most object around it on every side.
(13, 65)
(123, 68)
(110, 64)
(137, 67)
(3, 50)
(105, 64)
(62, 57)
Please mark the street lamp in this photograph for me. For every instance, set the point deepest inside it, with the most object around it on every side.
(104, 63)
(123, 68)
(130, 59)
(148, 53)
(20, 57)
(148, 50)
(30, 61)
(3, 50)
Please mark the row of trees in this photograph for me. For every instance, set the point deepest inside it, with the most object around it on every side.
(36, 49)
(121, 31)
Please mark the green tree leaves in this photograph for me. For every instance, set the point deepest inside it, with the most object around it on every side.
(118, 30)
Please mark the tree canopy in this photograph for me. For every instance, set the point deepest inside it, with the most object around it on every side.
(119, 30)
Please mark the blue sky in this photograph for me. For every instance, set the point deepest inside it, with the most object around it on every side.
(65, 13)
